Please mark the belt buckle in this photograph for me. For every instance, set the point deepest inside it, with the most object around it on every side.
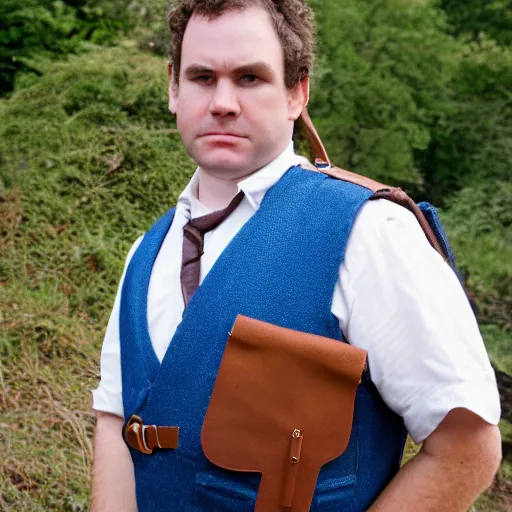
(134, 435)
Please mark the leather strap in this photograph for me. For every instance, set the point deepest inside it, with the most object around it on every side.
(398, 196)
(317, 148)
(381, 191)
(145, 438)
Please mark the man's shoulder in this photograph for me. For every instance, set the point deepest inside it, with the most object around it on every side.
(383, 211)
(384, 231)
(373, 213)
(332, 188)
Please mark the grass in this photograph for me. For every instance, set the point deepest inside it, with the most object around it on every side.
(46, 418)
(89, 157)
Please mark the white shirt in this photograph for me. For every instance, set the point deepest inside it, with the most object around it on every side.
(395, 297)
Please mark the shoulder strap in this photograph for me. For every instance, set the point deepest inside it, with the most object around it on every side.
(380, 191)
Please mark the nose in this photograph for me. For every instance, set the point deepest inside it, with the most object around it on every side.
(224, 101)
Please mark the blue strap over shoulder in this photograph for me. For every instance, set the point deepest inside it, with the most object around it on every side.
(430, 213)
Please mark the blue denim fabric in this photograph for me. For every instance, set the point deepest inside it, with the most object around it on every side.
(434, 222)
(281, 268)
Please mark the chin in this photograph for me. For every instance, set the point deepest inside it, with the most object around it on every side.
(224, 160)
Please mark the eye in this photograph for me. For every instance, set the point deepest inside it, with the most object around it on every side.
(204, 79)
(249, 79)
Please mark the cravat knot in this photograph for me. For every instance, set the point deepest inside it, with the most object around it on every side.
(193, 246)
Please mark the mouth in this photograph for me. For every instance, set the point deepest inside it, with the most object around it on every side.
(222, 139)
(223, 134)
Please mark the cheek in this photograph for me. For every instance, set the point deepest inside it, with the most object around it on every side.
(192, 98)
(188, 116)
(266, 109)
(188, 108)
(267, 99)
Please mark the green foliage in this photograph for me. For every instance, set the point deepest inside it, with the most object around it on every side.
(479, 222)
(398, 99)
(97, 165)
(382, 77)
(474, 17)
(474, 142)
(497, 342)
(31, 29)
(43, 388)
(89, 157)
(506, 435)
(151, 31)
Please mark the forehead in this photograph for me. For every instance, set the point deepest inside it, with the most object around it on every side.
(232, 40)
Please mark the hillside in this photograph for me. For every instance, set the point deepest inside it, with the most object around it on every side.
(89, 157)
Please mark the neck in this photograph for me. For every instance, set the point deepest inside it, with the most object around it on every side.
(214, 192)
(216, 189)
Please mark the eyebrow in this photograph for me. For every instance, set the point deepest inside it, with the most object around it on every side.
(253, 67)
(198, 69)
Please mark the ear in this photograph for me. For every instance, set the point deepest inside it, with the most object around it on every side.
(173, 89)
(298, 98)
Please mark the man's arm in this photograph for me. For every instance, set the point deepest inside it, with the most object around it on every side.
(113, 481)
(457, 462)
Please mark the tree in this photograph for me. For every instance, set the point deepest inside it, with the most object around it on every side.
(474, 143)
(382, 78)
(31, 29)
(474, 17)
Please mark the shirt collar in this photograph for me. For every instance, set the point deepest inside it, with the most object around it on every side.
(254, 187)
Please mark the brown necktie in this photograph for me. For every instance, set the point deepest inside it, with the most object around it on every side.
(193, 244)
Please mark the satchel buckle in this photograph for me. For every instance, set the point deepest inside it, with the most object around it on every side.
(322, 165)
(135, 435)
(293, 467)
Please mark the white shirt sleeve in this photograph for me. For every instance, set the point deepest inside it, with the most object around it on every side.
(398, 299)
(108, 397)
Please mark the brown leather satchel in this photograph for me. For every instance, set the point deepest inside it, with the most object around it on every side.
(283, 406)
(380, 191)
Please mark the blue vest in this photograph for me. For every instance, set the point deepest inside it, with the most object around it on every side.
(281, 268)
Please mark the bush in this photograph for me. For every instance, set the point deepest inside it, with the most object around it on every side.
(151, 31)
(90, 172)
(89, 158)
(474, 141)
(382, 77)
(35, 29)
(471, 18)
(479, 221)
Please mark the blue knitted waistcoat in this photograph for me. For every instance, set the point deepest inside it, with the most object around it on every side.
(281, 268)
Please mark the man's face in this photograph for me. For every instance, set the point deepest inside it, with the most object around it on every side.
(234, 112)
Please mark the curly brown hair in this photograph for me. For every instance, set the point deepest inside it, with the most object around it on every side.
(292, 19)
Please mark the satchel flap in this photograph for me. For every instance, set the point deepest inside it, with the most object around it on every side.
(283, 406)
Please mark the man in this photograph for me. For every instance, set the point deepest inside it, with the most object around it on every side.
(239, 81)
